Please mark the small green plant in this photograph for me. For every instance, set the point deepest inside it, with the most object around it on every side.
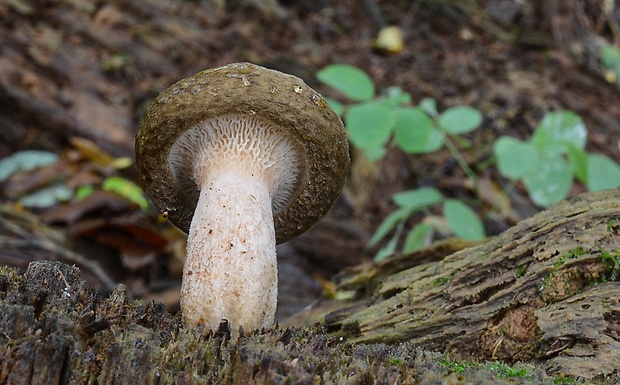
(374, 122)
(548, 162)
(375, 119)
(461, 218)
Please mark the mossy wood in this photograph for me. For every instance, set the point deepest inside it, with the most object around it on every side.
(547, 288)
(545, 292)
(53, 330)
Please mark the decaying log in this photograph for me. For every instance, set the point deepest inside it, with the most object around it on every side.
(53, 330)
(545, 292)
(548, 288)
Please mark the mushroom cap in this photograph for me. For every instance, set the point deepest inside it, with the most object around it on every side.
(244, 88)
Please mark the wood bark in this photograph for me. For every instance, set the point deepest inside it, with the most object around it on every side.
(545, 292)
(547, 288)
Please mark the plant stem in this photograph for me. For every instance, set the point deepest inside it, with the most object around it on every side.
(457, 155)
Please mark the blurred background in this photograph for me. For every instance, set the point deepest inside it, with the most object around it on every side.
(76, 75)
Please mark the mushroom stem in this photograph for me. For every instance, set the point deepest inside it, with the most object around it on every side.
(230, 270)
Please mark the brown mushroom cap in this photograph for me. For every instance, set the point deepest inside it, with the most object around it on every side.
(243, 88)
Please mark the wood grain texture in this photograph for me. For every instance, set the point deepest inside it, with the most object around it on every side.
(545, 289)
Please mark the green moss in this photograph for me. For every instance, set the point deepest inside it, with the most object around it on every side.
(612, 259)
(506, 371)
(9, 279)
(521, 269)
(456, 366)
(440, 281)
(574, 253)
(568, 381)
(500, 369)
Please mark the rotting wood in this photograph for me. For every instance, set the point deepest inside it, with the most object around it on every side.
(545, 292)
(53, 330)
(547, 288)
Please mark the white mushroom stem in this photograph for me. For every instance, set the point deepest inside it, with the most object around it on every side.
(245, 169)
(230, 270)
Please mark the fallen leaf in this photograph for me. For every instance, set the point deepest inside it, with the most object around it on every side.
(97, 202)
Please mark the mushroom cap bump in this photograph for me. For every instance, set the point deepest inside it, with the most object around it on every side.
(282, 101)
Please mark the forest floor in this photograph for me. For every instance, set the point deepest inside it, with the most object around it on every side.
(87, 69)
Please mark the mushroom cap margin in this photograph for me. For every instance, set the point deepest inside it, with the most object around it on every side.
(245, 88)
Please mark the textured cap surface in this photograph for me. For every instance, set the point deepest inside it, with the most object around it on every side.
(244, 88)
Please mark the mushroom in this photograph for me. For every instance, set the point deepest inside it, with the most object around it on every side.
(240, 157)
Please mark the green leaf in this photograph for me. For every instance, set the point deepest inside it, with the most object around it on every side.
(551, 180)
(610, 56)
(24, 161)
(460, 119)
(418, 198)
(386, 251)
(414, 131)
(429, 105)
(369, 124)
(336, 106)
(603, 173)
(390, 248)
(417, 237)
(121, 162)
(515, 158)
(463, 220)
(395, 96)
(560, 129)
(350, 81)
(375, 153)
(46, 197)
(579, 160)
(126, 189)
(388, 224)
(84, 192)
